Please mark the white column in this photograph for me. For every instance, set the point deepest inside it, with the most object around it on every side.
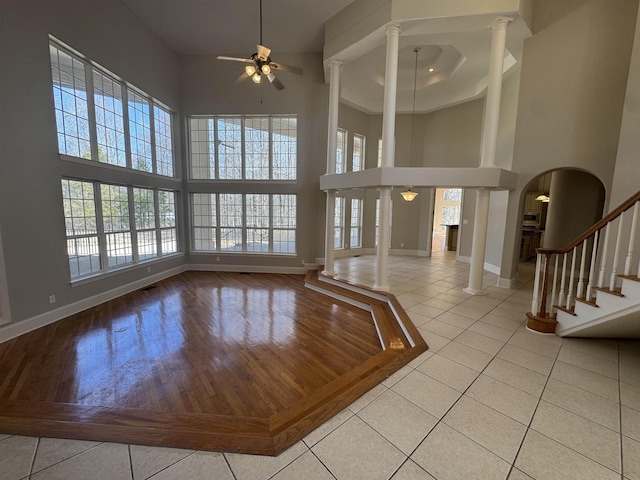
(388, 144)
(384, 230)
(479, 242)
(332, 137)
(488, 151)
(329, 250)
(494, 91)
(390, 90)
(334, 106)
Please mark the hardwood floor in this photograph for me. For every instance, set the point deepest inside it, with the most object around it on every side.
(218, 361)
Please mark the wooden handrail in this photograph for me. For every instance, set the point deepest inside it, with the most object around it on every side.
(626, 205)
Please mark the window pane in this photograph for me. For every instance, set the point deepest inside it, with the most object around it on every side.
(204, 221)
(80, 218)
(355, 236)
(284, 223)
(115, 217)
(202, 143)
(169, 243)
(70, 100)
(109, 120)
(164, 146)
(256, 141)
(284, 148)
(229, 143)
(257, 221)
(358, 152)
(144, 208)
(341, 151)
(338, 224)
(167, 208)
(453, 195)
(140, 132)
(231, 221)
(147, 244)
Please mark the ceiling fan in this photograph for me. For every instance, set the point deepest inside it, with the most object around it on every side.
(261, 64)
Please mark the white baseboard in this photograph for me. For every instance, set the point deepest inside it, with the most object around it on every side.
(487, 266)
(506, 282)
(246, 268)
(13, 330)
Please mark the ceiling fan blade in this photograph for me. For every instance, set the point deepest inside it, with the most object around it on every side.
(276, 83)
(235, 59)
(263, 52)
(285, 68)
(242, 77)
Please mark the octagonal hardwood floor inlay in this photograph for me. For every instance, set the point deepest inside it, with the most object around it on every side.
(219, 361)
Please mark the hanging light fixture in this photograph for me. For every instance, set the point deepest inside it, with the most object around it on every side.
(408, 195)
(543, 197)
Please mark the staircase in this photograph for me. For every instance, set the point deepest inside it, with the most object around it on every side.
(591, 287)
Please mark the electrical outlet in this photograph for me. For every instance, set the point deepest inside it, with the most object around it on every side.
(217, 259)
(52, 299)
(402, 245)
(148, 269)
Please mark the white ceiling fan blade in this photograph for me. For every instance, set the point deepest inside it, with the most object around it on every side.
(235, 59)
(276, 83)
(285, 68)
(263, 52)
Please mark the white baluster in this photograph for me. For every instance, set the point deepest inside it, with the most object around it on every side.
(632, 240)
(553, 289)
(562, 279)
(583, 261)
(603, 263)
(536, 285)
(572, 276)
(616, 255)
(592, 268)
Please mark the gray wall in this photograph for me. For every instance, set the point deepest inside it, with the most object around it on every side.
(572, 86)
(30, 169)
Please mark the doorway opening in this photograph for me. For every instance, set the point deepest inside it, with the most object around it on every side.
(446, 219)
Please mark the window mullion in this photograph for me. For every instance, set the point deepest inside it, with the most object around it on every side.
(270, 148)
(244, 221)
(243, 150)
(133, 228)
(216, 148)
(152, 134)
(125, 121)
(158, 229)
(91, 111)
(102, 238)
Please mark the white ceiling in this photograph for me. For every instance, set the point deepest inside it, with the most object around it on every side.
(207, 27)
(457, 47)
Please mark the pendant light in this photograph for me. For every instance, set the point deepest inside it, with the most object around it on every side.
(408, 195)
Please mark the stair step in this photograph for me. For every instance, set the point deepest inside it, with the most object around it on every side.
(617, 292)
(570, 311)
(591, 302)
(635, 278)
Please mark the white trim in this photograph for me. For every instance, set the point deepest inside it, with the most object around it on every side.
(16, 329)
(245, 268)
(487, 266)
(506, 282)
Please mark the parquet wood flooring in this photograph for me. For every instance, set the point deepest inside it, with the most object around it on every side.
(218, 361)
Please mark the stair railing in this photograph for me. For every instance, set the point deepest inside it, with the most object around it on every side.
(572, 283)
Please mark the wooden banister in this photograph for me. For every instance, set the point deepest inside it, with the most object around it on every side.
(539, 320)
(626, 205)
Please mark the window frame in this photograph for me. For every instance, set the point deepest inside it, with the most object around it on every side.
(362, 149)
(126, 90)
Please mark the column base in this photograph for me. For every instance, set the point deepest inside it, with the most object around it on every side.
(473, 291)
(328, 273)
(382, 288)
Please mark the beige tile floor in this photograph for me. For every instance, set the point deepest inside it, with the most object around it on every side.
(489, 400)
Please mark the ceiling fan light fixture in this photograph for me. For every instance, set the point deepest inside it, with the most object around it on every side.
(408, 195)
(250, 70)
(256, 77)
(266, 69)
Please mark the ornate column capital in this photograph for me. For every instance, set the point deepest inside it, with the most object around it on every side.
(499, 22)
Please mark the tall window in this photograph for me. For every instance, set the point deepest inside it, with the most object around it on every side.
(91, 117)
(251, 222)
(358, 152)
(110, 226)
(243, 147)
(355, 232)
(341, 151)
(338, 224)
